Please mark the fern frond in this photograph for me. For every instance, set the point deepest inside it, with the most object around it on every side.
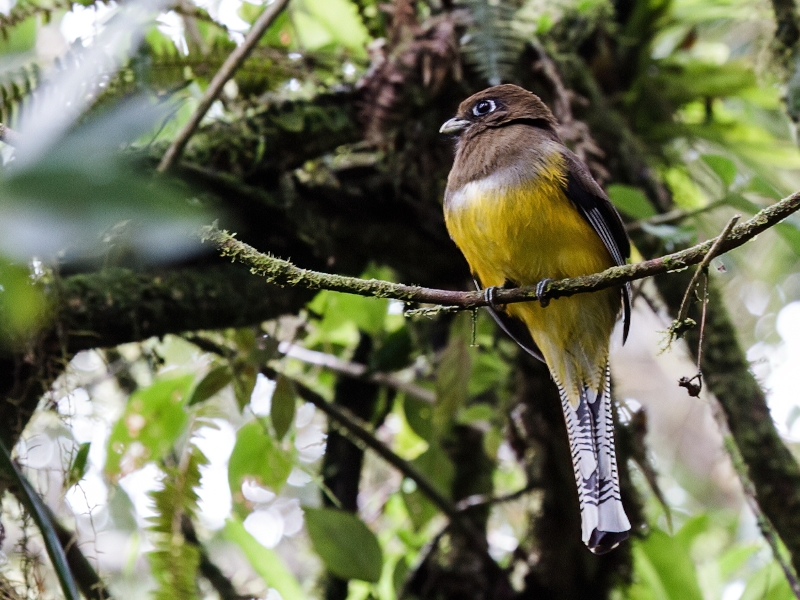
(17, 86)
(26, 9)
(174, 561)
(491, 44)
(162, 68)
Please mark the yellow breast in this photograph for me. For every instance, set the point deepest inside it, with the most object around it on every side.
(525, 231)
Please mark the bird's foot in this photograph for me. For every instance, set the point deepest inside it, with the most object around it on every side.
(541, 292)
(489, 296)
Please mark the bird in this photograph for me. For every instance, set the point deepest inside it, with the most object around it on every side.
(524, 210)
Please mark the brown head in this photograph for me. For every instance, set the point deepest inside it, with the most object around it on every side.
(496, 107)
(497, 128)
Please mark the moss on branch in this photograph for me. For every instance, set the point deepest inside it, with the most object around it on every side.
(116, 306)
(282, 272)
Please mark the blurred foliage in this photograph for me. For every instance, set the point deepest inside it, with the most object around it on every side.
(212, 427)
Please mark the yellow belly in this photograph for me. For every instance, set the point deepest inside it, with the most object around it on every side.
(525, 234)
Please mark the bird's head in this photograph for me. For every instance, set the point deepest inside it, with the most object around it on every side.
(498, 106)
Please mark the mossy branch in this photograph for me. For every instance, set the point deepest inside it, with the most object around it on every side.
(282, 272)
(226, 71)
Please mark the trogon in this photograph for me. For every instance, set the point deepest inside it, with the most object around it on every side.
(524, 209)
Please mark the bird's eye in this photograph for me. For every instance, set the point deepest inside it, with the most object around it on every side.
(484, 107)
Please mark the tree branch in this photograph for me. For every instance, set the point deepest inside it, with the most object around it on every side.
(226, 71)
(787, 32)
(116, 306)
(208, 569)
(282, 272)
(764, 524)
(356, 370)
(355, 427)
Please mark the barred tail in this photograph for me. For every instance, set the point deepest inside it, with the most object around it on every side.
(591, 439)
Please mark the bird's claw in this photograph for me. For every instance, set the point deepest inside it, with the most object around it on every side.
(541, 292)
(488, 295)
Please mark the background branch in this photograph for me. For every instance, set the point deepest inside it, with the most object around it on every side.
(356, 428)
(226, 71)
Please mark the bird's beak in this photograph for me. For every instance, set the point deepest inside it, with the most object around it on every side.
(454, 125)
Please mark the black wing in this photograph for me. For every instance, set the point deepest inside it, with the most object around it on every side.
(514, 328)
(597, 209)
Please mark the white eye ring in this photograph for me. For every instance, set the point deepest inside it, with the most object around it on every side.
(484, 107)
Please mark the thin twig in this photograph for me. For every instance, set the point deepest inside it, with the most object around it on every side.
(357, 429)
(764, 524)
(282, 272)
(207, 568)
(694, 384)
(681, 324)
(712, 253)
(226, 71)
(491, 500)
(355, 370)
(673, 216)
(702, 334)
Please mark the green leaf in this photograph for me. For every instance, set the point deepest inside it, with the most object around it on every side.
(395, 351)
(723, 167)
(489, 371)
(293, 121)
(22, 304)
(214, 381)
(345, 544)
(21, 37)
(79, 465)
(739, 202)
(284, 400)
(245, 338)
(399, 575)
(435, 463)
(790, 235)
(768, 583)
(258, 455)
(321, 23)
(631, 201)
(480, 412)
(420, 509)
(761, 186)
(663, 570)
(244, 381)
(419, 416)
(147, 430)
(438, 468)
(343, 310)
(82, 193)
(452, 382)
(267, 563)
(692, 529)
(734, 559)
(492, 44)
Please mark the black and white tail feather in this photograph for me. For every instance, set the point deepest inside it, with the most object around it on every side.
(590, 426)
